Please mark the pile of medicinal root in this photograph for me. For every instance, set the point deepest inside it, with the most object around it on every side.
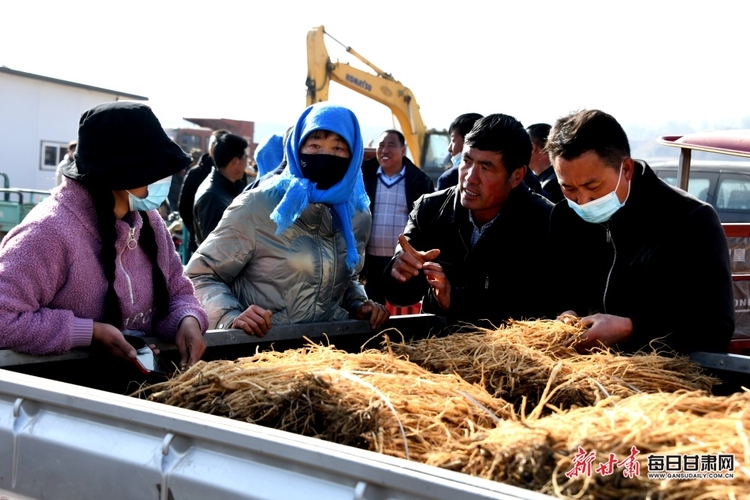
(517, 405)
(370, 400)
(535, 366)
(698, 444)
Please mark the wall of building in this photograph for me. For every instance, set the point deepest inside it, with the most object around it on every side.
(33, 112)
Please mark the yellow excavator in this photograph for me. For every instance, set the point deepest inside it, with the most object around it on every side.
(428, 147)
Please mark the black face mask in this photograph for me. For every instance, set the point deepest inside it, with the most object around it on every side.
(323, 170)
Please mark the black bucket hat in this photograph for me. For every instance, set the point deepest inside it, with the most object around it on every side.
(122, 145)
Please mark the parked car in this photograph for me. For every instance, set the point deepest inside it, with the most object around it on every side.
(723, 184)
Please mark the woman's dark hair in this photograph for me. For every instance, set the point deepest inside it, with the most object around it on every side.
(148, 243)
(104, 203)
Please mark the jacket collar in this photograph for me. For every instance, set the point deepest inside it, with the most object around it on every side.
(546, 175)
(318, 216)
(225, 184)
(640, 189)
(458, 215)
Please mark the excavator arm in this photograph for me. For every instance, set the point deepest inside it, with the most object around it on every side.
(381, 87)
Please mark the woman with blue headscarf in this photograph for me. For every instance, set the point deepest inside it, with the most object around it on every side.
(290, 250)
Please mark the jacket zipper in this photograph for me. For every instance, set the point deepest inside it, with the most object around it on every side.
(614, 260)
(466, 253)
(131, 244)
(326, 282)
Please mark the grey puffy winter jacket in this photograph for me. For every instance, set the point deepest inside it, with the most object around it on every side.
(300, 274)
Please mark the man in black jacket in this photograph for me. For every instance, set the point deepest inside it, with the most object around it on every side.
(393, 183)
(540, 163)
(638, 260)
(472, 251)
(217, 191)
(193, 179)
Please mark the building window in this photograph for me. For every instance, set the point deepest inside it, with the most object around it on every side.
(52, 153)
(188, 142)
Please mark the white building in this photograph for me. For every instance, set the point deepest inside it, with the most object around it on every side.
(38, 117)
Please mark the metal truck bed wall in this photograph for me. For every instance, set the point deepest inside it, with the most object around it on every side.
(91, 369)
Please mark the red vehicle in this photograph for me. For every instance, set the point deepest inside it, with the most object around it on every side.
(734, 143)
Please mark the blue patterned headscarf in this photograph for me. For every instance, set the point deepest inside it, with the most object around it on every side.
(346, 197)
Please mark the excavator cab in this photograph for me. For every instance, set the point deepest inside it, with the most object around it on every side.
(435, 156)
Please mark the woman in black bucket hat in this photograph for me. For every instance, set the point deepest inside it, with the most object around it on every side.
(93, 259)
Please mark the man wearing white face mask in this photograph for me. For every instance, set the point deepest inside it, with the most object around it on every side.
(458, 129)
(638, 260)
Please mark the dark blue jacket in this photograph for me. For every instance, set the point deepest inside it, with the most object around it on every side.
(550, 185)
(213, 196)
(193, 179)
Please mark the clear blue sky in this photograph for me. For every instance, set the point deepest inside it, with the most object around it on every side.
(661, 65)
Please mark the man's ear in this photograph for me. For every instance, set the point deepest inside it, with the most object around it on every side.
(517, 176)
(628, 169)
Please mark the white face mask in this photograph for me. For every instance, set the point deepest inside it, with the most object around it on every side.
(157, 193)
(456, 160)
(601, 209)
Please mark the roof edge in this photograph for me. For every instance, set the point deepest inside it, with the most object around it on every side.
(735, 142)
(7, 70)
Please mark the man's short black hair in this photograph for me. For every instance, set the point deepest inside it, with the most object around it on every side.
(589, 130)
(228, 146)
(398, 134)
(502, 134)
(539, 133)
(463, 123)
